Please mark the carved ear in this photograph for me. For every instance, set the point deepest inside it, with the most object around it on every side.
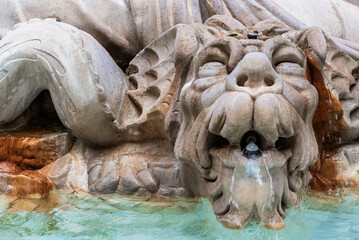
(159, 59)
(156, 75)
(314, 43)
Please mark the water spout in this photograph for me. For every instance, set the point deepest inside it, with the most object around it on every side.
(252, 150)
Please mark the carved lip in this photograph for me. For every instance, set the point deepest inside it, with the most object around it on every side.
(270, 161)
(245, 187)
(272, 156)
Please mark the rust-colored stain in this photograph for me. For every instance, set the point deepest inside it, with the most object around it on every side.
(9, 167)
(23, 153)
(29, 150)
(328, 121)
(327, 171)
(329, 125)
(23, 183)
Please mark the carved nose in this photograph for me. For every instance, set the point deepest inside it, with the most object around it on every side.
(255, 75)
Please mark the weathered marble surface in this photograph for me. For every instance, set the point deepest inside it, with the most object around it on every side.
(124, 27)
(336, 167)
(50, 55)
(143, 168)
(337, 18)
(69, 171)
(22, 154)
(245, 102)
(28, 183)
(34, 149)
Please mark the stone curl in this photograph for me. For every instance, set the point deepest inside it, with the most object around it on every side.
(87, 88)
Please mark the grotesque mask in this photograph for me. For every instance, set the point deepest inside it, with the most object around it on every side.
(247, 111)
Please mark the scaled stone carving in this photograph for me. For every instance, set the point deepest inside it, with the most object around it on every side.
(226, 109)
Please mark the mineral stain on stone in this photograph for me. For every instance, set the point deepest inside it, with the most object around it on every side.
(328, 122)
(28, 183)
(32, 150)
(23, 153)
(328, 125)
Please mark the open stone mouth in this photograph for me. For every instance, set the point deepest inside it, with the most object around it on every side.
(243, 179)
(253, 147)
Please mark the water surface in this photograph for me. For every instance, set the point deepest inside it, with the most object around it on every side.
(69, 215)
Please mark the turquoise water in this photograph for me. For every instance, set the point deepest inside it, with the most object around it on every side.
(67, 215)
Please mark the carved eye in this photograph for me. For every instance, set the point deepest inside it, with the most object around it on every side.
(289, 68)
(210, 74)
(289, 61)
(211, 69)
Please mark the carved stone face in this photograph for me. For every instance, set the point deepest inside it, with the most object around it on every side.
(247, 112)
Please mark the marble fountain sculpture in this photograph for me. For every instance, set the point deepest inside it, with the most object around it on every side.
(229, 100)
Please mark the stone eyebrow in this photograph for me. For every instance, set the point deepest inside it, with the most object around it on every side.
(212, 53)
(226, 50)
(287, 53)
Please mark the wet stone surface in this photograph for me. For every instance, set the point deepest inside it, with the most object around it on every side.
(25, 183)
(22, 154)
(33, 149)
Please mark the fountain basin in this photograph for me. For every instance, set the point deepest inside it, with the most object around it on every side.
(68, 215)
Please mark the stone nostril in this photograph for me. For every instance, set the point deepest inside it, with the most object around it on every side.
(242, 80)
(269, 81)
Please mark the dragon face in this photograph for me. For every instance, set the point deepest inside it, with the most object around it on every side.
(247, 128)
